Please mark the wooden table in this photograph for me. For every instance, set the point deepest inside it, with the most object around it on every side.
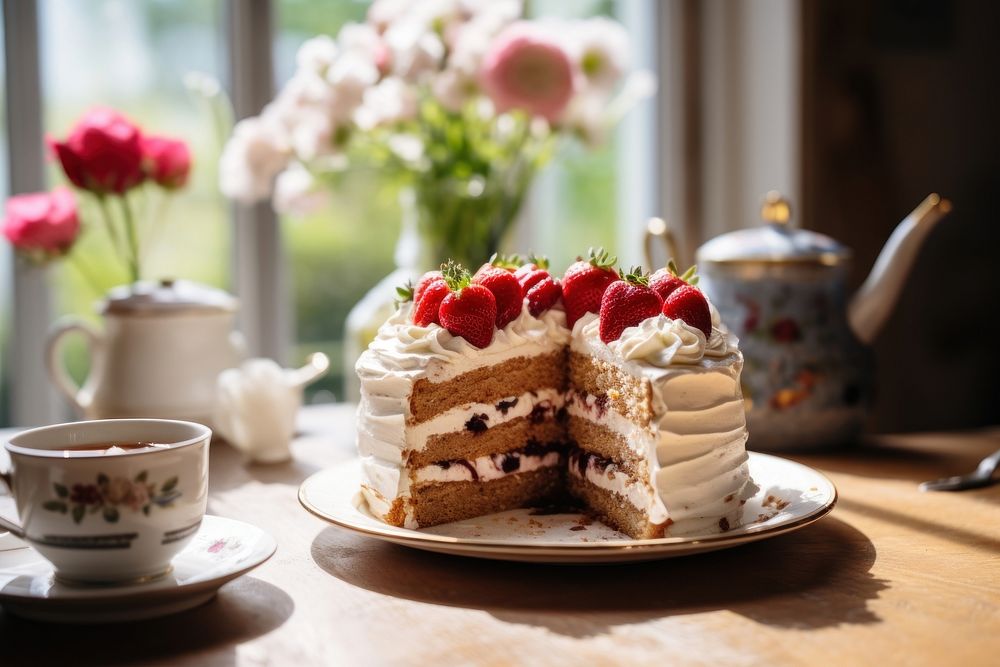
(892, 576)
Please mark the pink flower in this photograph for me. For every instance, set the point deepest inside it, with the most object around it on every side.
(103, 153)
(528, 70)
(42, 221)
(166, 161)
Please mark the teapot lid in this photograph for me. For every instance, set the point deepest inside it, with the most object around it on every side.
(167, 296)
(777, 242)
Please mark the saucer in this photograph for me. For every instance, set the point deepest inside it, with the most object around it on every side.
(221, 550)
(790, 496)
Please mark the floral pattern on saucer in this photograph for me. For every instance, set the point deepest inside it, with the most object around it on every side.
(110, 496)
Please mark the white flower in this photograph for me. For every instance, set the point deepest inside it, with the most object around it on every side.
(382, 13)
(296, 192)
(316, 54)
(599, 46)
(363, 40)
(416, 51)
(252, 157)
(312, 135)
(350, 75)
(587, 116)
(454, 87)
(305, 91)
(408, 148)
(392, 100)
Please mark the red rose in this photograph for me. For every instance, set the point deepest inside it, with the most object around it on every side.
(103, 153)
(166, 161)
(42, 221)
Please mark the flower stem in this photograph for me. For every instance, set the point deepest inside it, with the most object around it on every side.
(88, 275)
(109, 224)
(133, 243)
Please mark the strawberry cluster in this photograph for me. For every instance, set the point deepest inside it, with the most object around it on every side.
(638, 296)
(475, 306)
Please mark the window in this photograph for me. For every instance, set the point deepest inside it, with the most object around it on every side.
(134, 56)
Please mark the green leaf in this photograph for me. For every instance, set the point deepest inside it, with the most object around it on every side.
(169, 485)
(102, 479)
(61, 490)
(55, 506)
(111, 514)
(141, 477)
(78, 511)
(405, 292)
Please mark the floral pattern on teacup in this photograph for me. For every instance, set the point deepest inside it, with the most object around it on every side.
(110, 496)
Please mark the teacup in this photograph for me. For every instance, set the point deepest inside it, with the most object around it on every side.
(109, 517)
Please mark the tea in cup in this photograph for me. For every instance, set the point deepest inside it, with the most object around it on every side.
(109, 501)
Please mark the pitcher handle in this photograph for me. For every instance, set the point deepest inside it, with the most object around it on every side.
(58, 374)
(658, 229)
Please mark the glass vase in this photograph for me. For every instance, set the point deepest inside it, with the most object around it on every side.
(460, 219)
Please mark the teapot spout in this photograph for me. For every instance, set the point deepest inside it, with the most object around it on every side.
(317, 364)
(871, 306)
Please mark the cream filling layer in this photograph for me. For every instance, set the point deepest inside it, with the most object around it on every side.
(487, 468)
(455, 419)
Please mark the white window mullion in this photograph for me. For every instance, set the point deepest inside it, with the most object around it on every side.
(259, 269)
(641, 156)
(33, 400)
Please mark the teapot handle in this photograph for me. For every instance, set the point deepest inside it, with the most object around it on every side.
(58, 374)
(660, 229)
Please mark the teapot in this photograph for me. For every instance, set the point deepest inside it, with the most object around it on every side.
(807, 378)
(161, 349)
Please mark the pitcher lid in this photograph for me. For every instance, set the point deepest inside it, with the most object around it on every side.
(777, 242)
(167, 296)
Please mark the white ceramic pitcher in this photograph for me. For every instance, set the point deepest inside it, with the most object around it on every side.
(162, 347)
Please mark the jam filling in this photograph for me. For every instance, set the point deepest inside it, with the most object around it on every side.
(504, 406)
(582, 460)
(477, 423)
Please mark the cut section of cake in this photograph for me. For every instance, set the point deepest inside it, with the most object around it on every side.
(658, 421)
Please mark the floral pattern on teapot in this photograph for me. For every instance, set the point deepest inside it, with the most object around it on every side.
(801, 360)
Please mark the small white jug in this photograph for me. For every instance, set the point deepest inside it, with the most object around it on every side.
(256, 405)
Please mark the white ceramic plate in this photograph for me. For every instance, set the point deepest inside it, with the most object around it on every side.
(791, 496)
(222, 550)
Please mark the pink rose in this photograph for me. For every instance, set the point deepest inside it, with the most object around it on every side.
(103, 153)
(525, 69)
(42, 221)
(166, 161)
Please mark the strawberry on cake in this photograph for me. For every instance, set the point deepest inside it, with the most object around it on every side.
(512, 387)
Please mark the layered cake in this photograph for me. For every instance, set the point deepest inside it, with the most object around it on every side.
(512, 388)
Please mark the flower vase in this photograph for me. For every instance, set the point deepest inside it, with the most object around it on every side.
(460, 219)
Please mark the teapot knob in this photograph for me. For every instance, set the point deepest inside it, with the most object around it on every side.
(776, 209)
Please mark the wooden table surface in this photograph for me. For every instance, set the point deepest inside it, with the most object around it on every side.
(892, 576)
